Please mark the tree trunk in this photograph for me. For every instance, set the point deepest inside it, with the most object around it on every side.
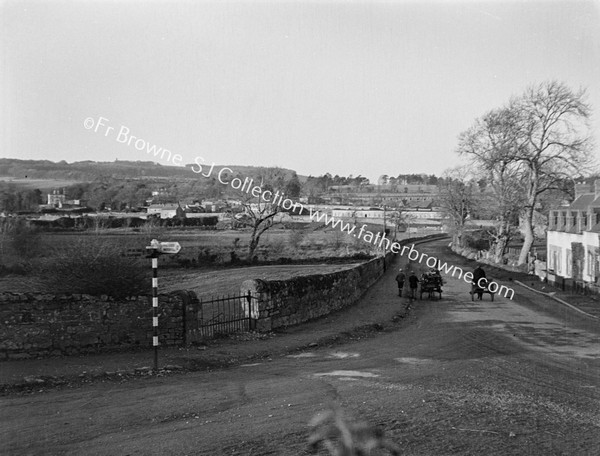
(456, 239)
(254, 238)
(502, 239)
(529, 237)
(500, 248)
(528, 222)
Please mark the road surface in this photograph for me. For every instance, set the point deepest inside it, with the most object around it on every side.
(456, 377)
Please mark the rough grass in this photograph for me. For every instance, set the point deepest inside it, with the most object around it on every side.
(57, 253)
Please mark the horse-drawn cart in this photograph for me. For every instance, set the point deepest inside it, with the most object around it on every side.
(477, 289)
(431, 283)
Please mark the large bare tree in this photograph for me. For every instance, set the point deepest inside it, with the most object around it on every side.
(527, 148)
(555, 144)
(261, 212)
(492, 144)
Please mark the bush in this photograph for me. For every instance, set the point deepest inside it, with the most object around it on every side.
(477, 240)
(95, 266)
(296, 237)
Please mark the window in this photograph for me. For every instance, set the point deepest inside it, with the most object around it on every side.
(553, 258)
(569, 261)
(591, 263)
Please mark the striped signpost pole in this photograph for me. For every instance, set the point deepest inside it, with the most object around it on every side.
(155, 249)
(155, 309)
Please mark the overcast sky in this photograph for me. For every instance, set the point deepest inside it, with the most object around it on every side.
(355, 88)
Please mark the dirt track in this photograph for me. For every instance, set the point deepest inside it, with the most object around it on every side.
(456, 377)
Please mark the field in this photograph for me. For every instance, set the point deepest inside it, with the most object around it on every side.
(211, 263)
(204, 264)
(42, 184)
(296, 244)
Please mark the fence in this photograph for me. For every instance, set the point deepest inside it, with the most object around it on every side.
(225, 315)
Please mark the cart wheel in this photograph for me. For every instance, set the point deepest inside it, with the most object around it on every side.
(492, 296)
(472, 296)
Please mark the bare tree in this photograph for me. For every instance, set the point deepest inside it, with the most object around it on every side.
(458, 199)
(527, 148)
(554, 144)
(260, 211)
(492, 143)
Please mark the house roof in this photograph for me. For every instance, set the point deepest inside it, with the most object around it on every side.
(162, 207)
(583, 201)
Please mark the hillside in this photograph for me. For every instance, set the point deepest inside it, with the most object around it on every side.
(47, 173)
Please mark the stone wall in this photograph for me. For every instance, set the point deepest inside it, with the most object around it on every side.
(280, 303)
(41, 324)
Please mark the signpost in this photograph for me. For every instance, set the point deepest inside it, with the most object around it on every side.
(155, 249)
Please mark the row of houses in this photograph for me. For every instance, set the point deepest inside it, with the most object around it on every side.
(573, 241)
(377, 195)
(178, 210)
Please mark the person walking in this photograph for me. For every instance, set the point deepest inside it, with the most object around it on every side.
(413, 283)
(400, 278)
(479, 281)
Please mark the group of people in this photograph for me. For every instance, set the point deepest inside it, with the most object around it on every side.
(413, 283)
(433, 274)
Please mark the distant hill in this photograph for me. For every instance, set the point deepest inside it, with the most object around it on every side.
(45, 172)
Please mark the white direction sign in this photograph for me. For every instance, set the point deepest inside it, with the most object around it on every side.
(164, 247)
(169, 247)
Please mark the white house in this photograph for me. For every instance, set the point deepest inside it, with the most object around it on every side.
(574, 240)
(426, 214)
(166, 210)
(360, 213)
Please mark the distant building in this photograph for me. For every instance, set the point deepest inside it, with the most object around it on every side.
(58, 200)
(360, 213)
(390, 194)
(574, 241)
(424, 213)
(194, 208)
(214, 206)
(166, 211)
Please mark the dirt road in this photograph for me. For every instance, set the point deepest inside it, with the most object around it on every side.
(456, 377)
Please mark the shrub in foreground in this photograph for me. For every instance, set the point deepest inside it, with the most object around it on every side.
(96, 266)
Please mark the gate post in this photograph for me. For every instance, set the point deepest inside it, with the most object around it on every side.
(251, 326)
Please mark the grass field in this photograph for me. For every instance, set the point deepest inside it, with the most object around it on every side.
(275, 243)
(206, 256)
(206, 284)
(42, 184)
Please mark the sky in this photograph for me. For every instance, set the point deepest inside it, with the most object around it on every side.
(346, 87)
